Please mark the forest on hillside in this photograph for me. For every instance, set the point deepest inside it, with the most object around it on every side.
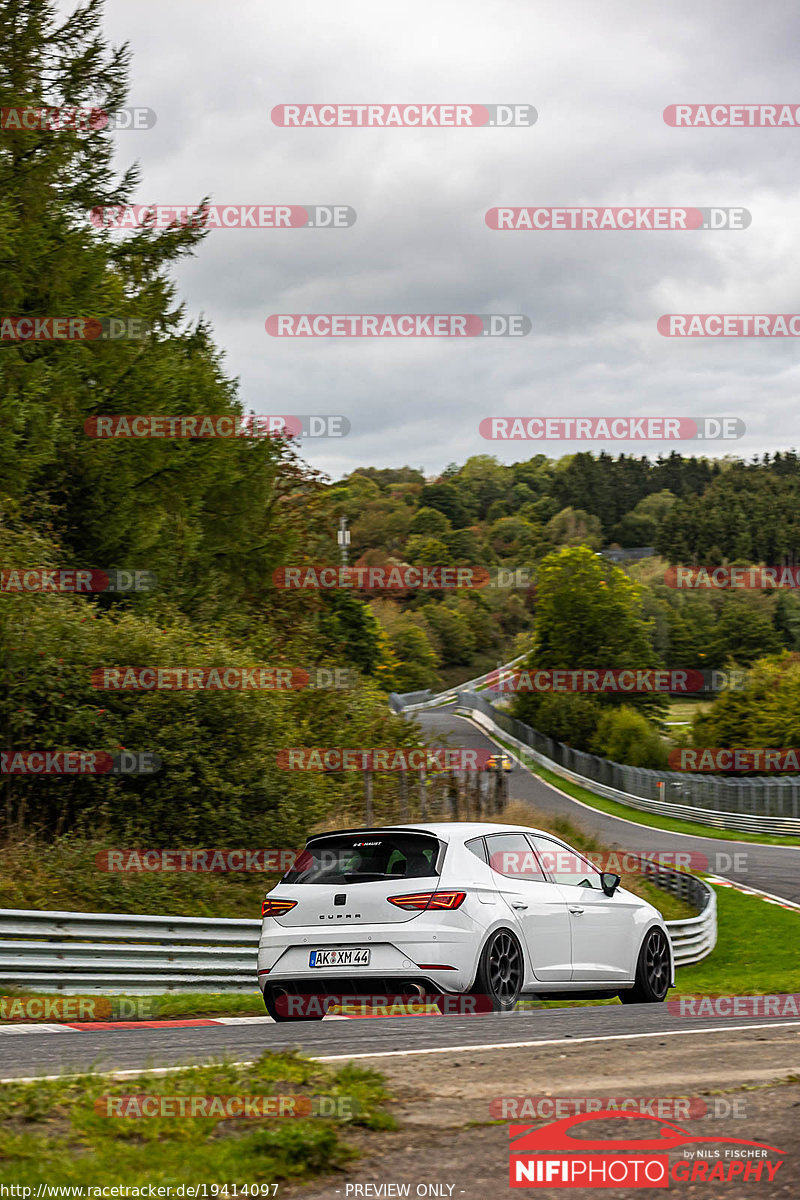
(686, 510)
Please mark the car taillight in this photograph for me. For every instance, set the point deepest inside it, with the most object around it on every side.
(276, 908)
(428, 900)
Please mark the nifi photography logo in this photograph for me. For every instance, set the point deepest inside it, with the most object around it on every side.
(565, 1154)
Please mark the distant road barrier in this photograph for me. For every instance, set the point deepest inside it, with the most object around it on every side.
(417, 701)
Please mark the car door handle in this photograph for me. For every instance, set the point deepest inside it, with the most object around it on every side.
(575, 908)
(518, 904)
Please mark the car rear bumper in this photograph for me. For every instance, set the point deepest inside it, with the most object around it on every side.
(428, 954)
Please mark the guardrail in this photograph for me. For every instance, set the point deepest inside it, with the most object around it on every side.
(694, 937)
(92, 953)
(417, 701)
(116, 952)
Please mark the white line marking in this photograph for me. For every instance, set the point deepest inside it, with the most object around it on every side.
(117, 1074)
(244, 1020)
(267, 1020)
(613, 1037)
(34, 1027)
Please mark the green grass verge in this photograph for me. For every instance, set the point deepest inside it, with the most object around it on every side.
(220, 1004)
(653, 820)
(51, 1132)
(756, 950)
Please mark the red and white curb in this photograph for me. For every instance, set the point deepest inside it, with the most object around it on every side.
(780, 901)
(101, 1026)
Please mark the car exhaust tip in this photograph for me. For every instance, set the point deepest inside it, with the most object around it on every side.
(410, 987)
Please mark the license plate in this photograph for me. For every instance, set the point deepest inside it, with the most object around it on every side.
(354, 957)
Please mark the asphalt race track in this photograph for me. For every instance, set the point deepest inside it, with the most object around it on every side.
(36, 1054)
(773, 869)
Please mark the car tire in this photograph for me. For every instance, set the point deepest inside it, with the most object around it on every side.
(501, 972)
(277, 1012)
(652, 971)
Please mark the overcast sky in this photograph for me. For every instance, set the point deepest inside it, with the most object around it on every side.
(599, 76)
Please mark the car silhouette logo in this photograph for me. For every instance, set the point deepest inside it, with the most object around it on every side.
(526, 1139)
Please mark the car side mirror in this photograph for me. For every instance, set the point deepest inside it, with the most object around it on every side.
(610, 882)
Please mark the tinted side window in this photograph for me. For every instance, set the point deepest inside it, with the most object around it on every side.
(477, 846)
(566, 866)
(512, 856)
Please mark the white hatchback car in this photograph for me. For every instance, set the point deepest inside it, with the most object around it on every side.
(460, 909)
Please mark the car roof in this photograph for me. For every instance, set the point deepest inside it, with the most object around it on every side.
(445, 830)
(455, 829)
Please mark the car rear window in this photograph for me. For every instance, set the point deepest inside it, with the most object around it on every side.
(366, 857)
